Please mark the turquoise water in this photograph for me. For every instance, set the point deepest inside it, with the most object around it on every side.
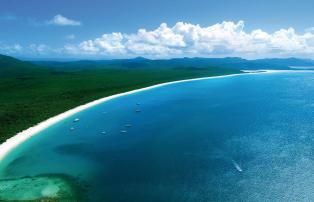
(243, 138)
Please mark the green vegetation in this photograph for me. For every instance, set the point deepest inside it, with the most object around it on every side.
(11, 67)
(30, 94)
(230, 62)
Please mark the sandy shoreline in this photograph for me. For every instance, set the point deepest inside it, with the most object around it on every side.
(20, 137)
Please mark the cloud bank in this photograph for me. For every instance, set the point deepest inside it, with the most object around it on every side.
(181, 40)
(185, 39)
(29, 50)
(60, 20)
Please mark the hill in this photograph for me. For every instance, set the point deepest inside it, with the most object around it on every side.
(143, 63)
(12, 67)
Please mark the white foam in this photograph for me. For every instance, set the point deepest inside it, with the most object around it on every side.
(19, 138)
(237, 166)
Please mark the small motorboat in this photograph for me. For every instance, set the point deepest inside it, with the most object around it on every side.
(128, 125)
(76, 120)
(123, 131)
(237, 166)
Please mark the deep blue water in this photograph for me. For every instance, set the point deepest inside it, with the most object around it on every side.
(187, 143)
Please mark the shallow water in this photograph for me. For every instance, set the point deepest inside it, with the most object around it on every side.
(48, 187)
(243, 138)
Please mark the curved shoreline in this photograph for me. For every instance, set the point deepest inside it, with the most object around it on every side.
(13, 142)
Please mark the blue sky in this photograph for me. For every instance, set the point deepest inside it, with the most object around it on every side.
(76, 28)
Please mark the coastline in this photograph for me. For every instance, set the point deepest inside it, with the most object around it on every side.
(14, 141)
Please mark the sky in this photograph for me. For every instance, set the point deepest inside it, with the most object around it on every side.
(104, 29)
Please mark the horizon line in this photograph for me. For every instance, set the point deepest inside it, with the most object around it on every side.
(57, 59)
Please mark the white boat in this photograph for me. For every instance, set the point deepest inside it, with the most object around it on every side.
(123, 131)
(72, 128)
(104, 132)
(128, 125)
(76, 120)
(137, 110)
(237, 166)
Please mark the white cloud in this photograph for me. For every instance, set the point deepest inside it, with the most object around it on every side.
(110, 44)
(60, 20)
(10, 49)
(28, 50)
(185, 39)
(70, 37)
(38, 49)
(310, 29)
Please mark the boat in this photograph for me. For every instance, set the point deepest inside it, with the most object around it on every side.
(128, 125)
(123, 131)
(76, 120)
(237, 166)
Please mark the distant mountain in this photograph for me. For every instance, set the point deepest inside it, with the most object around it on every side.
(140, 62)
(11, 67)
(290, 62)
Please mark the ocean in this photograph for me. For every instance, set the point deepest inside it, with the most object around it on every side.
(241, 138)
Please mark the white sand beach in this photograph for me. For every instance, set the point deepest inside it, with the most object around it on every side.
(19, 138)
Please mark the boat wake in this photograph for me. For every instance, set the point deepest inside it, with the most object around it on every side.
(237, 166)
